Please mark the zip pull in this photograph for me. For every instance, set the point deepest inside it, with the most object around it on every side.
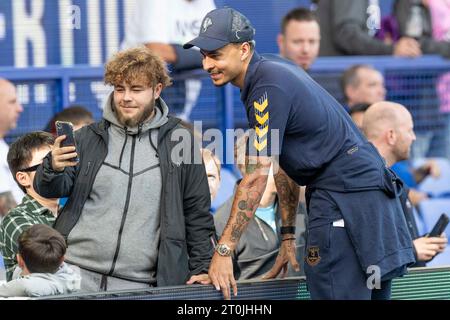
(88, 167)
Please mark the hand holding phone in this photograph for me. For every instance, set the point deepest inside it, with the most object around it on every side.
(64, 150)
(65, 128)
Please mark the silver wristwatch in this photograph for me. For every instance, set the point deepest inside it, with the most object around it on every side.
(223, 250)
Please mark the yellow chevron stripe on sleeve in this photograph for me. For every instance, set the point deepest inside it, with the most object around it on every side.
(260, 146)
(262, 132)
(261, 107)
(262, 120)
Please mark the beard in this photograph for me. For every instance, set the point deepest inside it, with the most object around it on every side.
(402, 153)
(140, 117)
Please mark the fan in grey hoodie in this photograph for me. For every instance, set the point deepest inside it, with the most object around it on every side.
(137, 214)
(127, 241)
(64, 281)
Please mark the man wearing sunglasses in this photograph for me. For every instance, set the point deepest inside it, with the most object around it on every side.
(24, 156)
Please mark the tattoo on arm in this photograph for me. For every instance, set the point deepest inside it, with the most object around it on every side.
(7, 202)
(247, 197)
(238, 228)
(288, 193)
(245, 213)
(242, 205)
(251, 168)
(251, 203)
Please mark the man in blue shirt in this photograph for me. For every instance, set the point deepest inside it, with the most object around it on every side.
(355, 222)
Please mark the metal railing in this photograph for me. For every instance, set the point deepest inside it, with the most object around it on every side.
(419, 283)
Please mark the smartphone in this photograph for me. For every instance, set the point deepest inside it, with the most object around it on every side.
(66, 128)
(440, 226)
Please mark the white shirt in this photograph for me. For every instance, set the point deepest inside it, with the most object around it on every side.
(7, 182)
(168, 21)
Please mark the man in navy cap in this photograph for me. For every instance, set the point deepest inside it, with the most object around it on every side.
(357, 238)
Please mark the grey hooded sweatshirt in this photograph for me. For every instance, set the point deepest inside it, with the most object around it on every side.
(118, 231)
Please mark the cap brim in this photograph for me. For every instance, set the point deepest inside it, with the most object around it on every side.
(205, 43)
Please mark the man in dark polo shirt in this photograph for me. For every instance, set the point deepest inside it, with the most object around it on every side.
(355, 221)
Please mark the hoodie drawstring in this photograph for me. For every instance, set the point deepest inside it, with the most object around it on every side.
(151, 142)
(140, 130)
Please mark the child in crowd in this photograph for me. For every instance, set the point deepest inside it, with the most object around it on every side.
(41, 271)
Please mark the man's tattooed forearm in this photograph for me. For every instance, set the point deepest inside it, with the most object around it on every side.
(236, 233)
(252, 202)
(242, 218)
(286, 190)
(242, 205)
(288, 196)
(241, 222)
(250, 168)
(246, 202)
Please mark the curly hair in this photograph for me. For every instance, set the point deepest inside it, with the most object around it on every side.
(138, 63)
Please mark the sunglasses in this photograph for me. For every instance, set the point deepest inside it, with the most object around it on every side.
(31, 169)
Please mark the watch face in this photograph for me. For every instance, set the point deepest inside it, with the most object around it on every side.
(223, 250)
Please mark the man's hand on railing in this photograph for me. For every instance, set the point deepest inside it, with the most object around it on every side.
(221, 275)
(200, 278)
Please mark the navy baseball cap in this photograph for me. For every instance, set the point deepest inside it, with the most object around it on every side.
(221, 27)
